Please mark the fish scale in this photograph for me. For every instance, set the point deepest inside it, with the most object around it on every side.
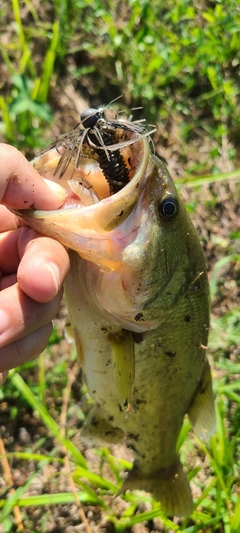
(138, 299)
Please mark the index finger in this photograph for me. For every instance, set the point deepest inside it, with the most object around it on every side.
(21, 187)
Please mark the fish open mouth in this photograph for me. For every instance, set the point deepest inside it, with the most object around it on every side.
(105, 172)
(96, 177)
(91, 209)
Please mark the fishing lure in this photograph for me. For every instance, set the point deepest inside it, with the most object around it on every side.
(98, 138)
(100, 135)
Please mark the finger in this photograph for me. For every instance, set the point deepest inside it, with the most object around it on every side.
(7, 281)
(3, 376)
(8, 220)
(43, 267)
(9, 258)
(20, 315)
(21, 187)
(20, 351)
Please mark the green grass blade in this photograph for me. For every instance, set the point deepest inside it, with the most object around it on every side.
(186, 427)
(28, 456)
(62, 498)
(17, 16)
(236, 518)
(26, 55)
(207, 180)
(95, 479)
(8, 126)
(14, 497)
(127, 522)
(205, 492)
(48, 64)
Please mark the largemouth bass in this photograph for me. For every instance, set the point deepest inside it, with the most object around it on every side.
(138, 300)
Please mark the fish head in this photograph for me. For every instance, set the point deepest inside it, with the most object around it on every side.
(137, 249)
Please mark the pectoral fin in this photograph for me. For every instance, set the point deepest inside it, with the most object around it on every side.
(124, 366)
(202, 412)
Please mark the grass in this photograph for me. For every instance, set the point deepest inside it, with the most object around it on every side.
(181, 63)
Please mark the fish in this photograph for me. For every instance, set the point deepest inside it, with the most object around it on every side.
(137, 295)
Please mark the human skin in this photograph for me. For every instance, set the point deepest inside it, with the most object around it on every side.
(32, 267)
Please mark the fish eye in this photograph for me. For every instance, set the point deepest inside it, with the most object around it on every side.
(168, 208)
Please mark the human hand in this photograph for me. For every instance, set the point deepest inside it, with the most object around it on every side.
(32, 267)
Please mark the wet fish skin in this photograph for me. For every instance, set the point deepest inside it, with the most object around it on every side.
(148, 276)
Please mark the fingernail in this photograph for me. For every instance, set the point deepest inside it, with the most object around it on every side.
(56, 188)
(55, 273)
(4, 321)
